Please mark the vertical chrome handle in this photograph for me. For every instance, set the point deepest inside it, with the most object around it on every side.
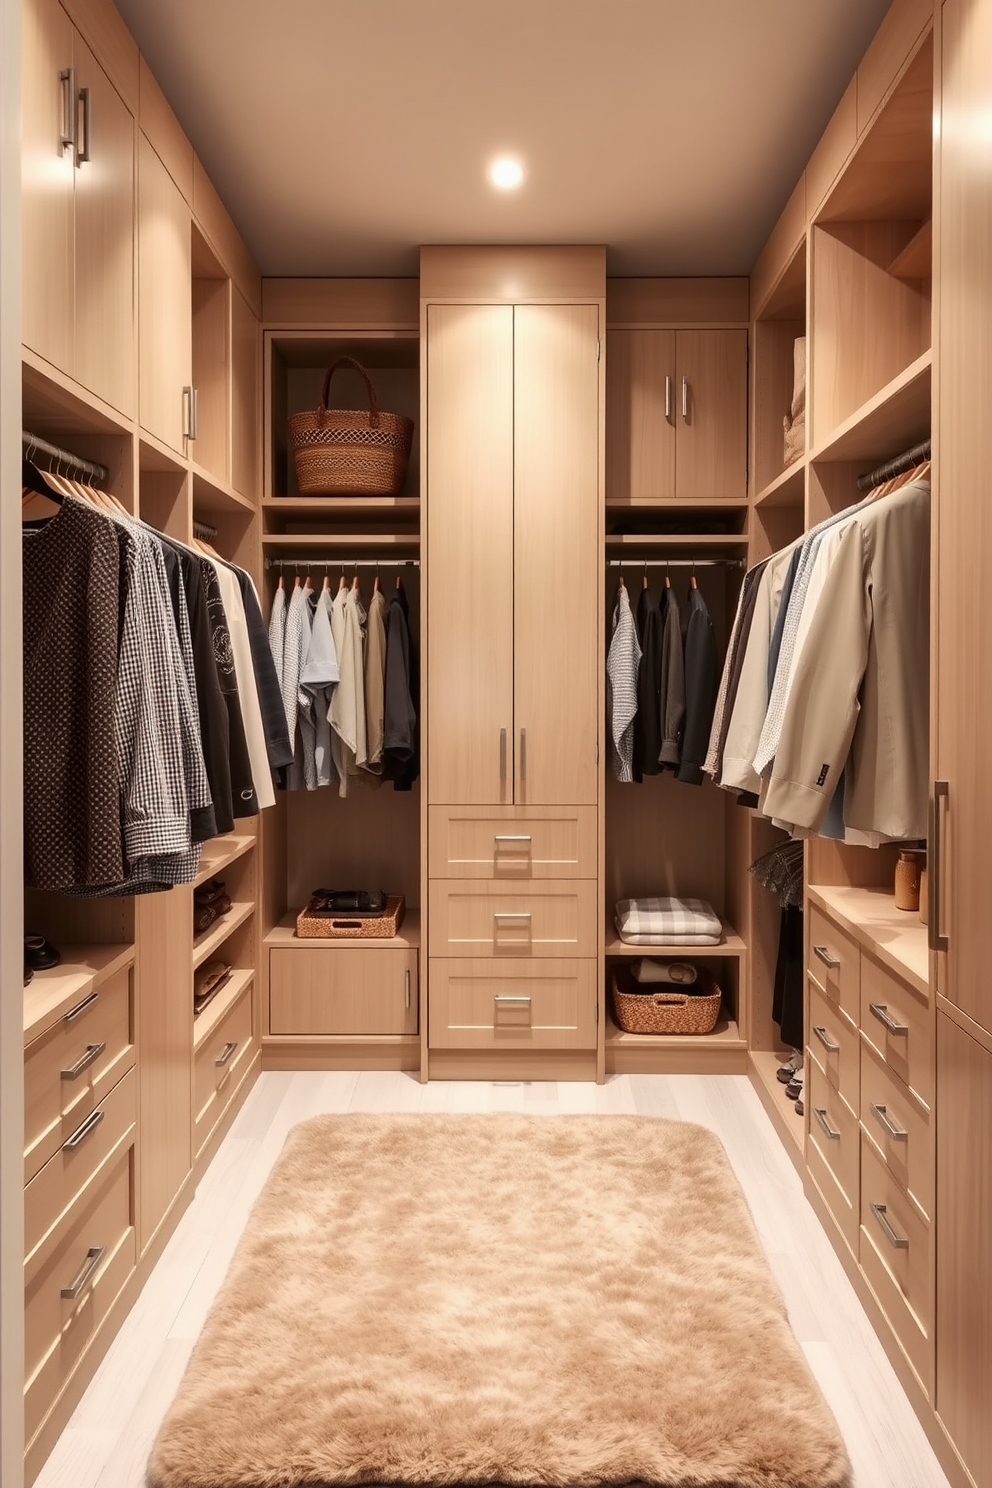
(523, 756)
(94, 1256)
(881, 1114)
(406, 989)
(187, 411)
(194, 417)
(83, 152)
(668, 398)
(685, 398)
(226, 1053)
(67, 136)
(936, 941)
(502, 755)
(821, 1115)
(82, 1131)
(900, 1242)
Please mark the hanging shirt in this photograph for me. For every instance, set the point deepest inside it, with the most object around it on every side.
(244, 799)
(700, 688)
(245, 672)
(295, 700)
(730, 677)
(399, 729)
(277, 634)
(622, 662)
(319, 674)
(352, 666)
(647, 722)
(278, 748)
(672, 682)
(340, 753)
(375, 681)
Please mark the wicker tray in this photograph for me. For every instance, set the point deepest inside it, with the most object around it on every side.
(665, 1011)
(343, 927)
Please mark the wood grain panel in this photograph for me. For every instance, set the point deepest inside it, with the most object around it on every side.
(899, 1273)
(774, 381)
(833, 150)
(775, 256)
(214, 220)
(371, 304)
(478, 918)
(470, 553)
(907, 1054)
(246, 370)
(833, 962)
(901, 28)
(165, 356)
(218, 1068)
(711, 445)
(833, 1160)
(834, 1045)
(103, 27)
(47, 172)
(640, 436)
(211, 346)
(342, 990)
(963, 1227)
(909, 1158)
(676, 302)
(556, 546)
(512, 275)
(164, 132)
(518, 842)
(552, 1005)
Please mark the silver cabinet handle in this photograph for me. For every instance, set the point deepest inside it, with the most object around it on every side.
(83, 152)
(67, 137)
(82, 1132)
(195, 414)
(881, 1114)
(685, 398)
(502, 754)
(668, 399)
(823, 954)
(74, 1012)
(500, 837)
(497, 997)
(94, 1256)
(406, 989)
(190, 411)
(821, 1115)
(225, 1054)
(523, 755)
(827, 1043)
(936, 941)
(900, 1242)
(880, 1011)
(511, 914)
(89, 1056)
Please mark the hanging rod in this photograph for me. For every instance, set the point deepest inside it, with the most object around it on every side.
(896, 466)
(204, 531)
(330, 563)
(676, 563)
(32, 443)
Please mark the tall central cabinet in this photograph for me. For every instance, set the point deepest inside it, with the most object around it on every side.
(513, 395)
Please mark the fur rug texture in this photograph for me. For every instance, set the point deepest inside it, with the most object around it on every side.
(499, 1299)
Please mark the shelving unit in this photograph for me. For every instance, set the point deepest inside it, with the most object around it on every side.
(82, 970)
(730, 945)
(217, 1009)
(220, 852)
(895, 937)
(211, 940)
(786, 490)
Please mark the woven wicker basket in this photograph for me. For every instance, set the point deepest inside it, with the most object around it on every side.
(350, 452)
(665, 1012)
(342, 927)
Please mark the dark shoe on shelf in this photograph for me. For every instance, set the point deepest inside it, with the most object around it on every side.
(800, 1108)
(39, 953)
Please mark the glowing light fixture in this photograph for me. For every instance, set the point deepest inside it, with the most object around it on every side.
(506, 173)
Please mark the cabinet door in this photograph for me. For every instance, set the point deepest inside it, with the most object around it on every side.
(711, 408)
(46, 184)
(105, 239)
(962, 620)
(640, 415)
(164, 302)
(470, 554)
(964, 1224)
(556, 554)
(245, 413)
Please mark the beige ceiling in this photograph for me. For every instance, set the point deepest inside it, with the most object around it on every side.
(343, 135)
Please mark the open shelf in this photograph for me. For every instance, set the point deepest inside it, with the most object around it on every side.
(895, 418)
(342, 541)
(213, 495)
(218, 1007)
(726, 1033)
(895, 936)
(721, 1052)
(719, 504)
(659, 541)
(284, 936)
(763, 1064)
(730, 945)
(345, 506)
(82, 970)
(204, 945)
(787, 489)
(218, 853)
(916, 259)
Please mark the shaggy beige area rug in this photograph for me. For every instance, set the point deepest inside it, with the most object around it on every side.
(499, 1299)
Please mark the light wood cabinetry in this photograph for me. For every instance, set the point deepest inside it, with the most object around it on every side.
(47, 181)
(513, 1006)
(165, 354)
(246, 367)
(350, 991)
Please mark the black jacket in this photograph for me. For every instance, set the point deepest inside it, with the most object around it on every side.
(701, 680)
(647, 721)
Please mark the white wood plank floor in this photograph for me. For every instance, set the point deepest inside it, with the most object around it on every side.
(108, 1439)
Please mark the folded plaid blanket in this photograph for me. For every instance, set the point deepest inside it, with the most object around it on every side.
(667, 921)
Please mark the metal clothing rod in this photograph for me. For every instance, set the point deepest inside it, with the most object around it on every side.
(676, 563)
(204, 531)
(32, 444)
(330, 563)
(895, 466)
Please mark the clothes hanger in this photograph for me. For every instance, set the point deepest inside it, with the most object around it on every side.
(668, 581)
(644, 576)
(38, 497)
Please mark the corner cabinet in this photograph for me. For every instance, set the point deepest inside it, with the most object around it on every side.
(514, 654)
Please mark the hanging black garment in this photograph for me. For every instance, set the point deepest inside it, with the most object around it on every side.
(701, 681)
(647, 720)
(244, 799)
(204, 823)
(787, 1000)
(277, 743)
(400, 741)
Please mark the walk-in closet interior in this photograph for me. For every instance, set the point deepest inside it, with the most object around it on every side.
(771, 482)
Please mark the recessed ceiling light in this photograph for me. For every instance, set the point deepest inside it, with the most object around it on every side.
(506, 173)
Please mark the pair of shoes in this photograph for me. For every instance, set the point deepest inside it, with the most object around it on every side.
(794, 1089)
(210, 901)
(209, 892)
(39, 953)
(786, 1071)
(800, 1108)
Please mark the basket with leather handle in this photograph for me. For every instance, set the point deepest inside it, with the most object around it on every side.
(350, 451)
(671, 1011)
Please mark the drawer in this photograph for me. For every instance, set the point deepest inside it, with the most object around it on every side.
(517, 1005)
(53, 1191)
(833, 1151)
(71, 1067)
(834, 963)
(895, 1257)
(899, 1128)
(895, 1020)
(218, 1065)
(344, 990)
(93, 1260)
(835, 1046)
(512, 842)
(486, 919)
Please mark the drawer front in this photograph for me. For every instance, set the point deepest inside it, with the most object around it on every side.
(342, 990)
(94, 1258)
(219, 1064)
(834, 963)
(484, 919)
(95, 1040)
(835, 1046)
(833, 1151)
(517, 1005)
(895, 1257)
(54, 1191)
(512, 843)
(899, 1128)
(895, 1020)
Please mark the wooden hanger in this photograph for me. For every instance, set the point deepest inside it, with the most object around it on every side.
(38, 498)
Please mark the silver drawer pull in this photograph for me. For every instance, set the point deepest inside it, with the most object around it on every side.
(87, 1002)
(497, 997)
(900, 1242)
(94, 1256)
(821, 1115)
(406, 989)
(500, 837)
(881, 1114)
(823, 954)
(511, 914)
(82, 1132)
(827, 1043)
(880, 1011)
(90, 1056)
(225, 1054)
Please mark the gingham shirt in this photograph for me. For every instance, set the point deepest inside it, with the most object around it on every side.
(667, 921)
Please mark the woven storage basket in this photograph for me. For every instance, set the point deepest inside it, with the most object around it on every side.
(347, 451)
(665, 1012)
(344, 927)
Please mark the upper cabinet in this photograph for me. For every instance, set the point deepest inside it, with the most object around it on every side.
(77, 209)
(164, 304)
